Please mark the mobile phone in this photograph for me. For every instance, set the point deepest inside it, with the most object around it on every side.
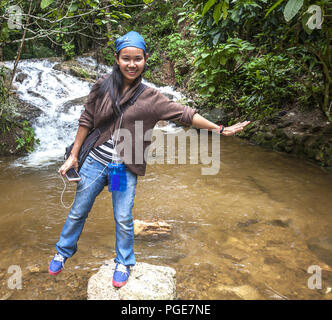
(72, 175)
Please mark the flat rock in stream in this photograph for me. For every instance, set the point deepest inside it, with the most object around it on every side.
(146, 282)
(151, 227)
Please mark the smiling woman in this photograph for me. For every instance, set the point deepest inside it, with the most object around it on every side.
(105, 109)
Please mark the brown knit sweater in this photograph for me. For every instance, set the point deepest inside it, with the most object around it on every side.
(149, 108)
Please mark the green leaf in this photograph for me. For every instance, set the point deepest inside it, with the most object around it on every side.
(223, 60)
(216, 38)
(73, 8)
(305, 20)
(212, 89)
(273, 7)
(45, 3)
(126, 15)
(225, 6)
(292, 8)
(98, 22)
(207, 6)
(217, 13)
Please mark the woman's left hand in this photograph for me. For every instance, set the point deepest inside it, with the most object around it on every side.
(235, 128)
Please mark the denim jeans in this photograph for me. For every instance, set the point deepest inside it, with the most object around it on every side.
(86, 193)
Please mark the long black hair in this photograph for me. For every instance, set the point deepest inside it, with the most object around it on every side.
(113, 84)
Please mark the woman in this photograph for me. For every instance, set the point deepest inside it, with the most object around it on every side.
(105, 100)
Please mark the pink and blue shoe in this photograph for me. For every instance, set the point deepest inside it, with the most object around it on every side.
(121, 275)
(57, 264)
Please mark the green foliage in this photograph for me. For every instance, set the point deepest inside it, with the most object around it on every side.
(72, 26)
(154, 60)
(282, 43)
(177, 46)
(69, 50)
(108, 56)
(215, 66)
(28, 140)
(267, 83)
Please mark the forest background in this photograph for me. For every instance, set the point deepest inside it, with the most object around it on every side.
(264, 61)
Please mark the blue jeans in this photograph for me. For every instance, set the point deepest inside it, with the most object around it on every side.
(86, 193)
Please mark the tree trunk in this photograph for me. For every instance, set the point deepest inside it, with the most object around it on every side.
(18, 55)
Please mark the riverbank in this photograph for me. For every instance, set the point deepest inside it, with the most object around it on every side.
(16, 118)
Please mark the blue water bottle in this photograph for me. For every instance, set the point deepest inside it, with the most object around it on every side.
(117, 177)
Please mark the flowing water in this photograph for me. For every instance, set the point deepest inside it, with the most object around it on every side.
(249, 232)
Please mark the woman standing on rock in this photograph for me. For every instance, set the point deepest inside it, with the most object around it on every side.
(106, 99)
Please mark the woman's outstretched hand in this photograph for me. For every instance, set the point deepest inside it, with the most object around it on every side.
(71, 162)
(235, 128)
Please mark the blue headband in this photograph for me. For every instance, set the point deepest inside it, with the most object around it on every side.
(131, 39)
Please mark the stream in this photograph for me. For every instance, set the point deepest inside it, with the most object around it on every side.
(249, 232)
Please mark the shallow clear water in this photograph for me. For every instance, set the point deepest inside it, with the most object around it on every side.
(239, 234)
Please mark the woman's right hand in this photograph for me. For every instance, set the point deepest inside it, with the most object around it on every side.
(71, 162)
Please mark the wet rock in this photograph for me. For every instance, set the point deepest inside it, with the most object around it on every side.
(279, 223)
(322, 248)
(285, 123)
(73, 103)
(29, 112)
(268, 136)
(146, 282)
(33, 268)
(36, 94)
(149, 227)
(169, 95)
(247, 223)
(235, 254)
(21, 77)
(271, 260)
(73, 68)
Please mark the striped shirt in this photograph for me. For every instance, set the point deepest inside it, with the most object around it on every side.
(105, 153)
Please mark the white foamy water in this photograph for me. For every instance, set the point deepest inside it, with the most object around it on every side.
(52, 91)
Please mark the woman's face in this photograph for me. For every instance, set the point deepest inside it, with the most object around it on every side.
(131, 61)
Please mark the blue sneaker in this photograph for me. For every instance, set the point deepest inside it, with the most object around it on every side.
(57, 264)
(121, 275)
